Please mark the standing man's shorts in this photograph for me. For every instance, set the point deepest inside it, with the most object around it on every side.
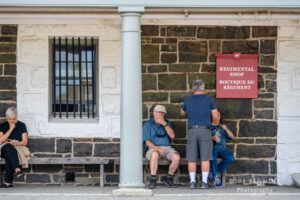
(199, 145)
(167, 149)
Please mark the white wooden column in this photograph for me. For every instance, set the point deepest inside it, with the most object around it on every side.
(131, 158)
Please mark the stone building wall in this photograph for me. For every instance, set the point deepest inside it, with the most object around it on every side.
(172, 57)
(8, 49)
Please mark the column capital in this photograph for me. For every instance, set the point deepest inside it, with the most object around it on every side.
(125, 9)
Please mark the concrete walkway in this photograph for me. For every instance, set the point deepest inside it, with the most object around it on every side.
(35, 192)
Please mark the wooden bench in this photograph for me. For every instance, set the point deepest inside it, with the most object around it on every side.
(183, 161)
(57, 161)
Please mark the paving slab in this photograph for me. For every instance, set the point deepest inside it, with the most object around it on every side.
(38, 192)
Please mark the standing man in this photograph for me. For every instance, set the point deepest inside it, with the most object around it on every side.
(199, 109)
(156, 134)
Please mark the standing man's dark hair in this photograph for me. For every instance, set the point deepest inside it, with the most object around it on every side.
(199, 109)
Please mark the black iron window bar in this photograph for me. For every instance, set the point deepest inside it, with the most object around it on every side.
(73, 80)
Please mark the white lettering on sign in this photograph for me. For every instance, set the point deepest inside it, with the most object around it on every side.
(237, 69)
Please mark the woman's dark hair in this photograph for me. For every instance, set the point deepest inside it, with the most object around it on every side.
(221, 118)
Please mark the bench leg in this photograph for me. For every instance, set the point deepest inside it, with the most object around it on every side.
(101, 175)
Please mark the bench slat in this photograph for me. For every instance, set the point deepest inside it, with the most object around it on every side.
(53, 161)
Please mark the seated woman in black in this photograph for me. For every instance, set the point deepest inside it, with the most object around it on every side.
(12, 133)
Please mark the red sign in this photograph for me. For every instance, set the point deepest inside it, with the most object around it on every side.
(236, 75)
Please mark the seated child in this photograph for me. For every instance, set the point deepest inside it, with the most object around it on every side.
(220, 133)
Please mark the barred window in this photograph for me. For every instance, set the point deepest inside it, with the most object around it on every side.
(73, 77)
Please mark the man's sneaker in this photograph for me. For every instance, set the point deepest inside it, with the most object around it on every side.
(205, 186)
(152, 184)
(217, 182)
(192, 185)
(19, 174)
(169, 183)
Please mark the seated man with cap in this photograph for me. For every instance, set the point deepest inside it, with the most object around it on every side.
(156, 134)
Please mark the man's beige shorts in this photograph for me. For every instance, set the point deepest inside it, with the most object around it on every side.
(167, 149)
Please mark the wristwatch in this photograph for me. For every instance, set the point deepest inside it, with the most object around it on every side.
(166, 125)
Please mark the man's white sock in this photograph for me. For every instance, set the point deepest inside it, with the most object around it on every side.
(192, 176)
(204, 176)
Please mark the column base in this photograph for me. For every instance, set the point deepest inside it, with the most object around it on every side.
(132, 192)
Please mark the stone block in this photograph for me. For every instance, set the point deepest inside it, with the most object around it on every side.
(38, 178)
(191, 51)
(148, 82)
(63, 146)
(214, 46)
(178, 97)
(267, 46)
(4, 107)
(9, 30)
(171, 40)
(163, 32)
(155, 96)
(224, 32)
(168, 57)
(41, 145)
(260, 83)
(179, 128)
(184, 67)
(107, 150)
(257, 129)
(150, 53)
(109, 77)
(208, 68)
(248, 167)
(266, 70)
(7, 48)
(92, 168)
(267, 60)
(265, 141)
(82, 149)
(169, 48)
(183, 31)
(149, 30)
(271, 86)
(263, 104)
(11, 96)
(157, 40)
(212, 58)
(7, 83)
(8, 39)
(172, 82)
(87, 139)
(180, 149)
(264, 31)
(263, 114)
(255, 151)
(287, 106)
(231, 125)
(157, 68)
(7, 58)
(295, 78)
(209, 80)
(145, 111)
(111, 104)
(33, 104)
(273, 166)
(47, 155)
(288, 51)
(112, 178)
(265, 95)
(271, 76)
(235, 108)
(245, 47)
(47, 168)
(240, 141)
(10, 70)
